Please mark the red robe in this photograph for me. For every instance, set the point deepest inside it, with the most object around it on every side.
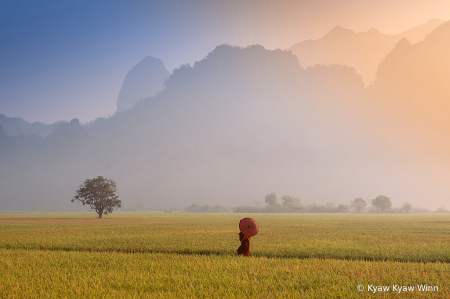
(244, 249)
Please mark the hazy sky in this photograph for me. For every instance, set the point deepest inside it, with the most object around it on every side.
(68, 59)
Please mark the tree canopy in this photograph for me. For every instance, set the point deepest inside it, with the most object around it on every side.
(359, 204)
(406, 207)
(290, 202)
(271, 199)
(382, 203)
(100, 194)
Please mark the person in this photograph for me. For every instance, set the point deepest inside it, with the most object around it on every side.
(244, 249)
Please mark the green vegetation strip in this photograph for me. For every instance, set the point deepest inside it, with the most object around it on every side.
(60, 274)
(403, 238)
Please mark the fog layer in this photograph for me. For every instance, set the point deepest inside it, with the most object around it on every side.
(244, 122)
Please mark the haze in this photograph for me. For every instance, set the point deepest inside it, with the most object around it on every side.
(223, 102)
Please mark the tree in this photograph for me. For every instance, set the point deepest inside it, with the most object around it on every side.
(382, 203)
(194, 208)
(406, 207)
(359, 204)
(290, 202)
(271, 199)
(100, 194)
(205, 209)
(342, 209)
(442, 210)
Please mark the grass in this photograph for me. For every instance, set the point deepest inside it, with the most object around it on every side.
(193, 255)
(413, 238)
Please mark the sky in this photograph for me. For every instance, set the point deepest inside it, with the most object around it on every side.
(61, 60)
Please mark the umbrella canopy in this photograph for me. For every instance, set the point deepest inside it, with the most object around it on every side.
(248, 227)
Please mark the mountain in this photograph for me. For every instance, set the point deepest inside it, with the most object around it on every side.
(17, 126)
(235, 126)
(419, 69)
(144, 80)
(364, 51)
(417, 34)
(413, 87)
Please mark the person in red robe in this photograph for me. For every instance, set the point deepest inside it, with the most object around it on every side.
(244, 249)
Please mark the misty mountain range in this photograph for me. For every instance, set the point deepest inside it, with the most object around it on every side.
(18, 126)
(364, 50)
(245, 122)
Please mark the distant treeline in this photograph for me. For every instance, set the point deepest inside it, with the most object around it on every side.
(380, 204)
(289, 204)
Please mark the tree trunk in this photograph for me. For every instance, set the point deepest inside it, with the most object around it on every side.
(100, 214)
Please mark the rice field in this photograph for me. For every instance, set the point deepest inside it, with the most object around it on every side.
(194, 256)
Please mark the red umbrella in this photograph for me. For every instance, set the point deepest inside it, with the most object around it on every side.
(248, 227)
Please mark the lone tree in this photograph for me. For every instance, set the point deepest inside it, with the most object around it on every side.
(382, 203)
(359, 204)
(100, 194)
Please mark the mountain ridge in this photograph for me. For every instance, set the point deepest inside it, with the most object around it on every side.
(19, 126)
(364, 50)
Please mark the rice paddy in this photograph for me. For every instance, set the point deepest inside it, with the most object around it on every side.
(194, 256)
